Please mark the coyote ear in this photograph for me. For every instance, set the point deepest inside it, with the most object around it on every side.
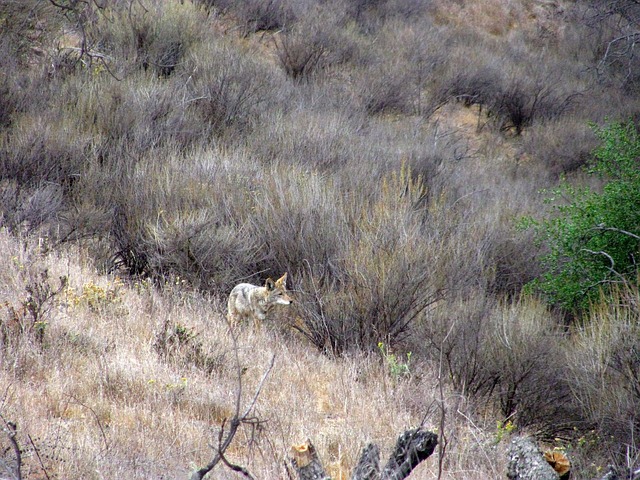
(269, 284)
(281, 281)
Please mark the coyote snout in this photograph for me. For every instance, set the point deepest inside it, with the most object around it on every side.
(248, 301)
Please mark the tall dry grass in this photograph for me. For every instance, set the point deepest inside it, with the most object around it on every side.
(116, 383)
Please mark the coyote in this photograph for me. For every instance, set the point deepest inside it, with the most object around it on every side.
(248, 301)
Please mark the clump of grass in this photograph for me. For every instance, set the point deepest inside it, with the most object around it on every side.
(179, 343)
(157, 37)
(603, 365)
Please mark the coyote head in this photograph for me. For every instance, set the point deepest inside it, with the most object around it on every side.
(277, 291)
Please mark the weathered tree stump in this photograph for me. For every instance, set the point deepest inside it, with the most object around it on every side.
(560, 463)
(412, 447)
(526, 461)
(304, 459)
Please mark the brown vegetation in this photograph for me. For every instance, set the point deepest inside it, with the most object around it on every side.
(154, 153)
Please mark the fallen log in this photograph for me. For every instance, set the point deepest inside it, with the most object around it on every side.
(412, 447)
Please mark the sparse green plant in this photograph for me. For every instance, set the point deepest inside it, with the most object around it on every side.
(398, 368)
(503, 430)
(31, 317)
(41, 295)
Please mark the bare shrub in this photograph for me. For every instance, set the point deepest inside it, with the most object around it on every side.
(135, 116)
(25, 210)
(228, 90)
(522, 101)
(506, 354)
(472, 74)
(11, 96)
(515, 264)
(471, 87)
(257, 15)
(383, 283)
(143, 111)
(561, 146)
(22, 29)
(401, 64)
(157, 36)
(615, 27)
(322, 140)
(185, 222)
(515, 89)
(387, 92)
(301, 54)
(372, 16)
(525, 349)
(460, 336)
(43, 204)
(42, 152)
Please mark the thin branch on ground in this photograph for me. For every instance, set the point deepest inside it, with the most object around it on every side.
(11, 430)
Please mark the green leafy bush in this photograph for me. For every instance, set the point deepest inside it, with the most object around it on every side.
(593, 239)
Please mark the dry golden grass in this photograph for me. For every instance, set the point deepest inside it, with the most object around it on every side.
(100, 399)
(502, 17)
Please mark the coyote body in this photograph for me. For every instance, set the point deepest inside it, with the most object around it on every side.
(247, 301)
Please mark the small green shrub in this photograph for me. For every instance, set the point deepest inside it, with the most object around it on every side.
(504, 429)
(397, 367)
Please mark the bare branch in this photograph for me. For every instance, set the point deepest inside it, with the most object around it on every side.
(619, 230)
(259, 388)
(37, 452)
(235, 468)
(224, 440)
(603, 253)
(12, 430)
